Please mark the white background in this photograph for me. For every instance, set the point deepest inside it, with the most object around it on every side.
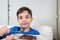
(3, 12)
(44, 12)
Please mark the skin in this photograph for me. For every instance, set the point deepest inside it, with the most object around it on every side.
(4, 30)
(9, 37)
(24, 20)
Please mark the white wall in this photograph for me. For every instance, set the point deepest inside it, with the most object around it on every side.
(3, 12)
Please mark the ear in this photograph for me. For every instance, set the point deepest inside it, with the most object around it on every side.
(17, 20)
(31, 19)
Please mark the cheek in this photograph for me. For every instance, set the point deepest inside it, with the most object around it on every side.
(19, 21)
(29, 20)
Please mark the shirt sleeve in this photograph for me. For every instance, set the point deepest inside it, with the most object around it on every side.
(1, 37)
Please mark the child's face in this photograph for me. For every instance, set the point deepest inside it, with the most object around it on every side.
(24, 19)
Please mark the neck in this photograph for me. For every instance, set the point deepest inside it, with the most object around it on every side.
(25, 29)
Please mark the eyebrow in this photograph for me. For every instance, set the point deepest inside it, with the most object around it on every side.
(27, 15)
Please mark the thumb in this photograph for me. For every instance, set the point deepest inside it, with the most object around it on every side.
(11, 37)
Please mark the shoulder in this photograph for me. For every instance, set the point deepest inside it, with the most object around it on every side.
(35, 32)
(14, 28)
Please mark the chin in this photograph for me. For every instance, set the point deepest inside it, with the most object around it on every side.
(24, 26)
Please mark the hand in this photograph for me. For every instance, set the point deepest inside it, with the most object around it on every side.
(11, 37)
(4, 30)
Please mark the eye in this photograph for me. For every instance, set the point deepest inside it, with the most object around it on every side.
(27, 16)
(20, 17)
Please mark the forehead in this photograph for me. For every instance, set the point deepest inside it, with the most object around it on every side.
(24, 13)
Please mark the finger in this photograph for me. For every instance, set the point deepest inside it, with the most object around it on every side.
(11, 37)
(6, 29)
(2, 31)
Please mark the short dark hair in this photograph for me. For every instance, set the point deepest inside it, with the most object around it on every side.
(20, 10)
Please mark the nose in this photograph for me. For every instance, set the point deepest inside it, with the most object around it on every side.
(24, 19)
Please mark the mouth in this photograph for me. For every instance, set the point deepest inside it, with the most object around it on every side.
(24, 23)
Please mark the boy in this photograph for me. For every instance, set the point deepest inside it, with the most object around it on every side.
(24, 19)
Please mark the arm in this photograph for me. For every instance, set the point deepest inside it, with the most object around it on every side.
(11, 37)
